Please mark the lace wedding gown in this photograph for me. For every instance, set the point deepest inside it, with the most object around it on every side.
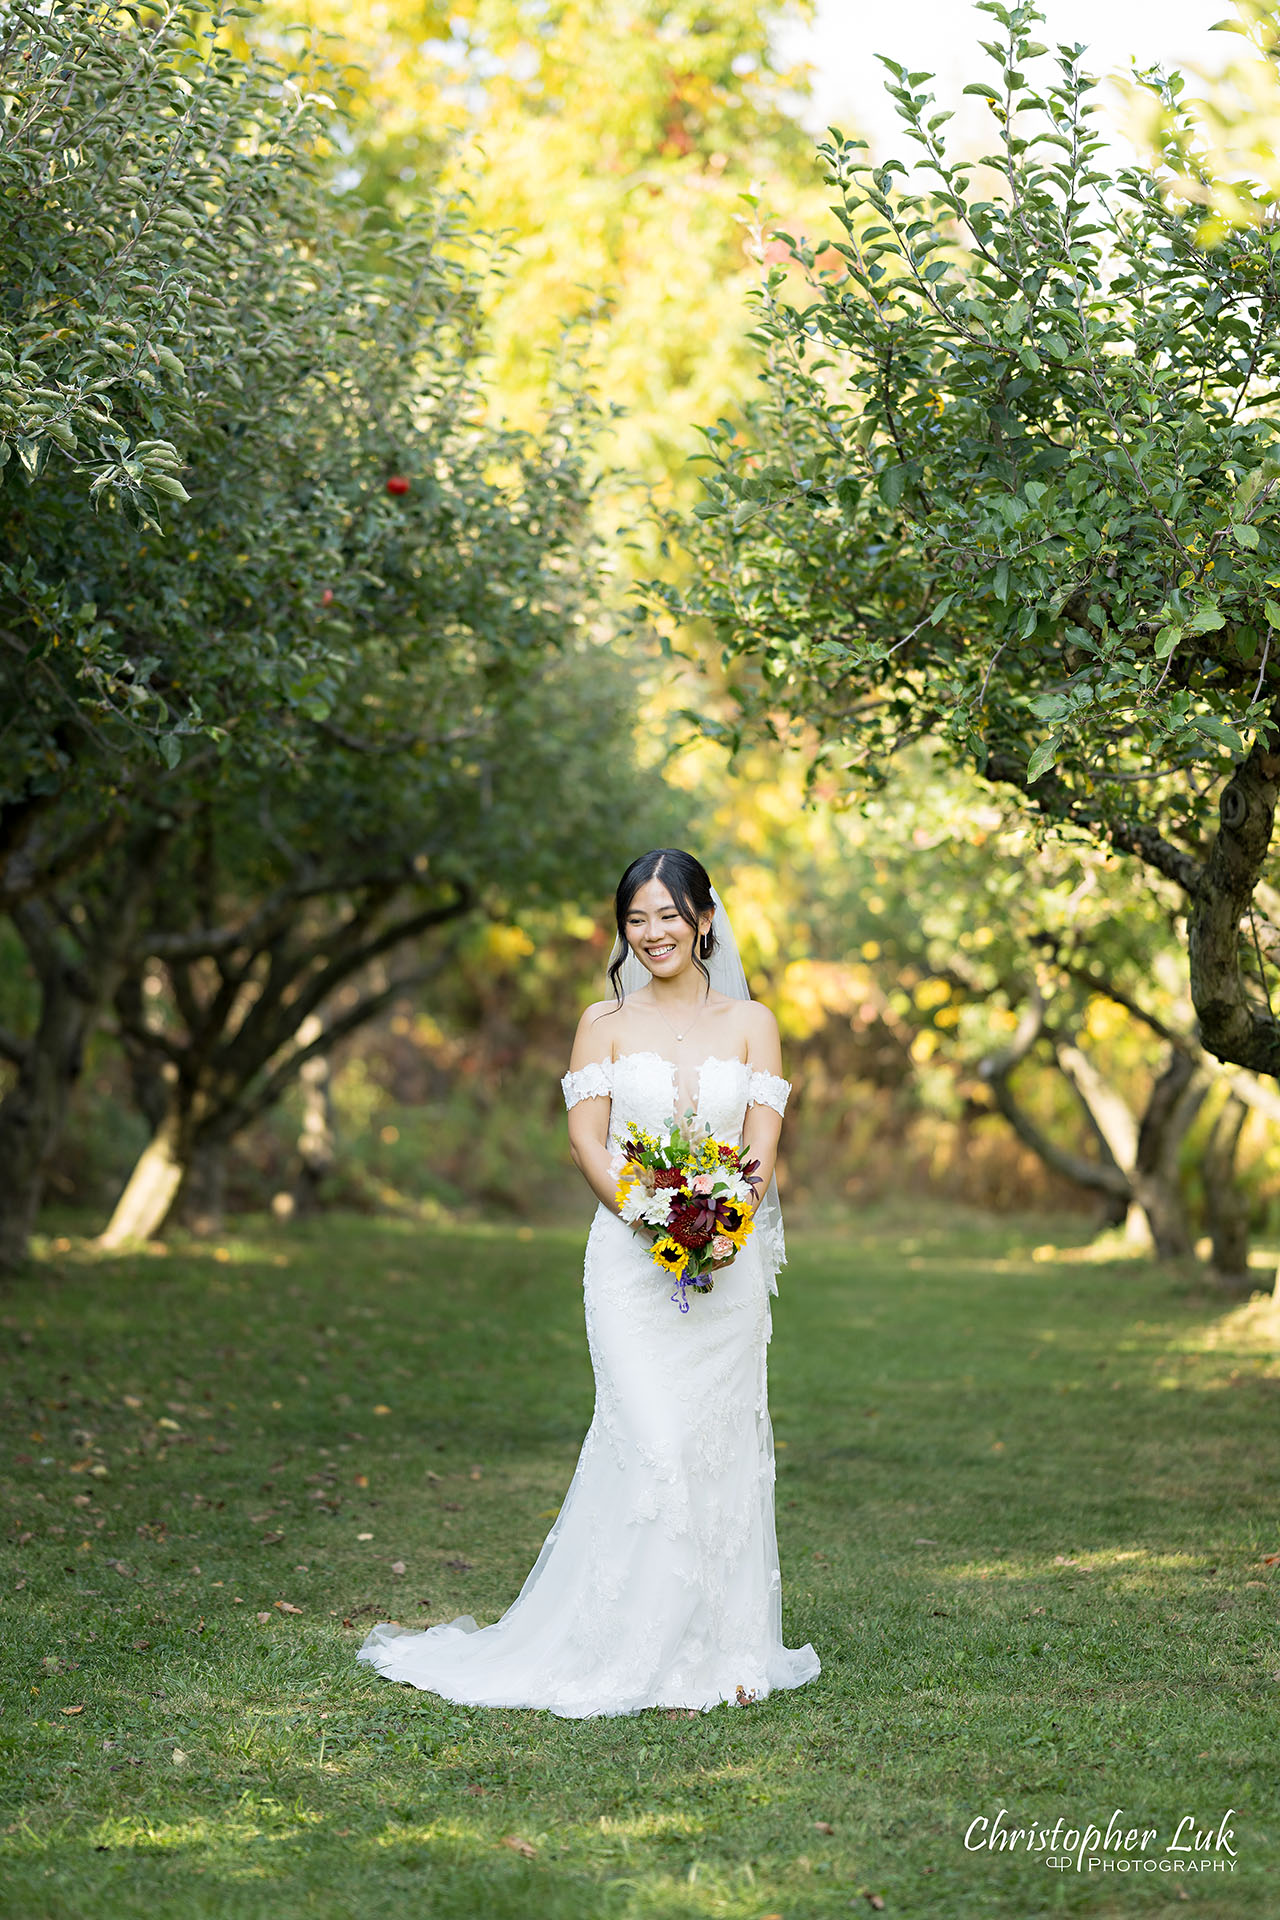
(658, 1585)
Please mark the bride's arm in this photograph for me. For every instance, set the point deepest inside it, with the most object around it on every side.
(589, 1117)
(763, 1124)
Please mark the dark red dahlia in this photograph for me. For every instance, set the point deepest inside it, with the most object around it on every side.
(692, 1222)
(668, 1177)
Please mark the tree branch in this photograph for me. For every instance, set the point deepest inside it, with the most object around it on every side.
(997, 1070)
(1055, 800)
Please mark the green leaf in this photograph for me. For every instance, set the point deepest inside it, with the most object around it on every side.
(1245, 536)
(1044, 757)
(1272, 612)
(1208, 620)
(166, 484)
(891, 483)
(1215, 729)
(1167, 639)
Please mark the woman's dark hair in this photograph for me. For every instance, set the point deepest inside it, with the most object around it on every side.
(688, 883)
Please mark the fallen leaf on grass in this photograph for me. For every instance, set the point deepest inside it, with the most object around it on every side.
(459, 1565)
(744, 1698)
(362, 1479)
(1269, 1560)
(271, 1540)
(286, 1606)
(79, 1709)
(263, 1619)
(875, 1901)
(474, 1788)
(364, 1536)
(1063, 1560)
(140, 1646)
(179, 1757)
(382, 1409)
(398, 1566)
(823, 1826)
(924, 1543)
(517, 1845)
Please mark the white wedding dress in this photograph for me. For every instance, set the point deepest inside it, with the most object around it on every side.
(658, 1585)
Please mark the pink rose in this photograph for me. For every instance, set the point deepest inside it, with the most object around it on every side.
(702, 1183)
(722, 1247)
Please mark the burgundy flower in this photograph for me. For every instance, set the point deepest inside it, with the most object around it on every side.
(729, 1216)
(692, 1222)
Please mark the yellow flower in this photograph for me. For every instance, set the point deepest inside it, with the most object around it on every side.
(626, 1180)
(670, 1255)
(733, 1221)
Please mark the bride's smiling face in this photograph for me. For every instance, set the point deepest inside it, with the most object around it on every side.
(657, 933)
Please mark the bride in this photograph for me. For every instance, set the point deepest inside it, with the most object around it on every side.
(658, 1585)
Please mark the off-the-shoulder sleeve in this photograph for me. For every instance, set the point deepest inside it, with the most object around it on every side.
(768, 1090)
(588, 1083)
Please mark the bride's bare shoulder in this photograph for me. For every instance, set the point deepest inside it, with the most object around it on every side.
(595, 1022)
(760, 1022)
(593, 1042)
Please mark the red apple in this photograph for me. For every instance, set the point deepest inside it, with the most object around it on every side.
(326, 598)
(397, 484)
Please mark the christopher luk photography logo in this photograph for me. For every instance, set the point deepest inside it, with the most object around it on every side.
(1125, 1845)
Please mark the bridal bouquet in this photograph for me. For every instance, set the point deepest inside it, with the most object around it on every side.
(696, 1192)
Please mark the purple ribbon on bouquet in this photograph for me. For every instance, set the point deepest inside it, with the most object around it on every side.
(682, 1302)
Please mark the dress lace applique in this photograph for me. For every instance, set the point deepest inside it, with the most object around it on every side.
(768, 1090)
(588, 1083)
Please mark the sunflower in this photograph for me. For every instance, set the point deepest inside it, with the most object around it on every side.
(733, 1221)
(630, 1176)
(669, 1255)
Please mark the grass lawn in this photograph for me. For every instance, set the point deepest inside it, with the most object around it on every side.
(1024, 1501)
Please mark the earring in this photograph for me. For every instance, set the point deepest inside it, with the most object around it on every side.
(704, 945)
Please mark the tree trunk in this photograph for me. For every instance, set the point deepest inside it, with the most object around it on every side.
(74, 988)
(201, 1200)
(33, 1112)
(1148, 1150)
(1176, 1098)
(317, 1146)
(1226, 1206)
(152, 1187)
